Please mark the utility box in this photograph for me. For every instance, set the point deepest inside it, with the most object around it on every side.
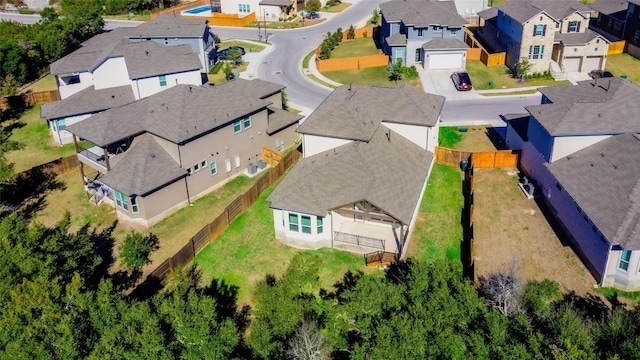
(262, 164)
(252, 168)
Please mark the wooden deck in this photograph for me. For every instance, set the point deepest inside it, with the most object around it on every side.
(380, 258)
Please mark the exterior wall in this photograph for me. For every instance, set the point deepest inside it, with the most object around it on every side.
(596, 47)
(609, 25)
(111, 73)
(286, 137)
(632, 26)
(418, 135)
(298, 239)
(528, 39)
(470, 7)
(415, 43)
(313, 144)
(513, 139)
(151, 85)
(232, 6)
(61, 137)
(171, 148)
(276, 100)
(157, 205)
(269, 13)
(540, 139)
(584, 23)
(66, 90)
(566, 145)
(628, 280)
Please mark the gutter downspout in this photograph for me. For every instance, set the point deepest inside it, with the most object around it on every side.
(186, 186)
(606, 264)
(331, 230)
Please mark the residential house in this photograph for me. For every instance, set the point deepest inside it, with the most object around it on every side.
(610, 18)
(425, 32)
(270, 10)
(159, 153)
(552, 34)
(632, 28)
(579, 146)
(129, 72)
(367, 157)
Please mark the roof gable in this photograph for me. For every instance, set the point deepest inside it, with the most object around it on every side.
(88, 101)
(524, 10)
(422, 13)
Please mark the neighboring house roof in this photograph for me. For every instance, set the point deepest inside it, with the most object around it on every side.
(397, 39)
(524, 10)
(170, 25)
(177, 114)
(366, 107)
(614, 8)
(148, 58)
(604, 181)
(276, 2)
(519, 123)
(444, 44)
(88, 101)
(254, 88)
(280, 119)
(578, 38)
(605, 106)
(92, 52)
(388, 171)
(489, 13)
(422, 13)
(144, 167)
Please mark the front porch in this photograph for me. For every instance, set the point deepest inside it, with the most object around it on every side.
(366, 237)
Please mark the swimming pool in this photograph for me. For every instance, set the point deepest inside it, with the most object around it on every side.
(198, 11)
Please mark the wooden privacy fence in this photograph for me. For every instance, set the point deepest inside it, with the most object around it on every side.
(29, 99)
(271, 157)
(352, 63)
(466, 247)
(176, 9)
(482, 54)
(211, 231)
(481, 159)
(616, 47)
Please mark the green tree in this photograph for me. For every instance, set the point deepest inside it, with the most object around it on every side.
(396, 71)
(312, 6)
(351, 33)
(284, 99)
(522, 68)
(136, 248)
(235, 56)
(375, 17)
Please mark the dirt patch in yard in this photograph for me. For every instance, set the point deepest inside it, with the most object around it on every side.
(512, 231)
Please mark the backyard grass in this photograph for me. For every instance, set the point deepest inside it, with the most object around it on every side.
(611, 292)
(38, 148)
(248, 250)
(338, 8)
(248, 46)
(377, 76)
(499, 77)
(46, 83)
(437, 233)
(356, 47)
(296, 23)
(220, 78)
(624, 64)
(449, 136)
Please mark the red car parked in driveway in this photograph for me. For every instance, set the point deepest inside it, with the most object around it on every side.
(461, 81)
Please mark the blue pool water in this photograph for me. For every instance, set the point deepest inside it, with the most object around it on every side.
(198, 10)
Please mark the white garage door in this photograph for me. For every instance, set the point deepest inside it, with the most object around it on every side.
(445, 61)
(571, 64)
(591, 63)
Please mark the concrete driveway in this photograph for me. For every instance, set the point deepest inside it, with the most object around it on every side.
(439, 82)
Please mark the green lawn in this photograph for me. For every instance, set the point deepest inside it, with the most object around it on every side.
(219, 78)
(46, 83)
(449, 136)
(307, 58)
(248, 47)
(498, 77)
(437, 233)
(377, 76)
(624, 64)
(248, 250)
(33, 133)
(611, 292)
(338, 8)
(353, 48)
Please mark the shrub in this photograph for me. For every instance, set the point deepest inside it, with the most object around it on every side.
(411, 72)
(216, 68)
(351, 33)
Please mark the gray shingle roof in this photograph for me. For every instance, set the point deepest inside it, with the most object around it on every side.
(255, 88)
(397, 39)
(88, 101)
(176, 114)
(604, 181)
(387, 173)
(169, 25)
(280, 119)
(275, 2)
(605, 106)
(146, 166)
(442, 43)
(355, 112)
(578, 38)
(611, 7)
(489, 13)
(524, 10)
(148, 58)
(421, 13)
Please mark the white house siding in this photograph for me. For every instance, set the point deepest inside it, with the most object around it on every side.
(86, 80)
(419, 135)
(232, 7)
(269, 13)
(628, 280)
(111, 73)
(151, 85)
(470, 7)
(313, 144)
(438, 60)
(567, 145)
(63, 136)
(298, 239)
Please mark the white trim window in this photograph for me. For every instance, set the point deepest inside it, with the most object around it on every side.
(303, 224)
(420, 33)
(539, 30)
(237, 160)
(135, 208)
(319, 225)
(574, 26)
(228, 165)
(214, 168)
(197, 167)
(246, 122)
(536, 52)
(237, 126)
(163, 80)
(625, 258)
(244, 8)
(121, 200)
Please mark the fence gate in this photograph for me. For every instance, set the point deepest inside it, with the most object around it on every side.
(271, 157)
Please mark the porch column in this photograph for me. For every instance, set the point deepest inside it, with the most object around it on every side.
(75, 144)
(106, 158)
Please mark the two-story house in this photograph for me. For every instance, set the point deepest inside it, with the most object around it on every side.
(552, 34)
(367, 158)
(159, 153)
(129, 72)
(270, 10)
(610, 18)
(426, 32)
(580, 148)
(632, 28)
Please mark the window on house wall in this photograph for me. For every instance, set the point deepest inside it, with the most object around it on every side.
(134, 205)
(293, 222)
(631, 9)
(306, 224)
(163, 80)
(121, 200)
(319, 225)
(610, 23)
(420, 33)
(214, 168)
(237, 160)
(636, 37)
(625, 257)
(437, 28)
(539, 30)
(417, 58)
(62, 124)
(536, 52)
(599, 21)
(228, 165)
(574, 26)
(453, 32)
(237, 126)
(246, 122)
(244, 8)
